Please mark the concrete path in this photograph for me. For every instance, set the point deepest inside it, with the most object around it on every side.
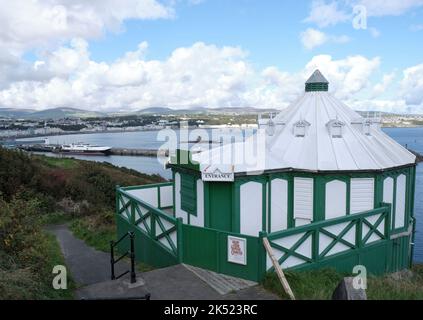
(86, 265)
(91, 271)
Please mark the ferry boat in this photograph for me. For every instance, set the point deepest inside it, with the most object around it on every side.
(85, 148)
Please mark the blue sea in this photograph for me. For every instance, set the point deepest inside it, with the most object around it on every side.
(410, 137)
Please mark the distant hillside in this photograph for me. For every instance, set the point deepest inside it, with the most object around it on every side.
(157, 110)
(15, 113)
(60, 113)
(203, 110)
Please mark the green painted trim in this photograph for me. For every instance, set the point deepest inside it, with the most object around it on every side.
(207, 221)
(269, 204)
(316, 86)
(263, 205)
(291, 220)
(326, 223)
(236, 227)
(147, 186)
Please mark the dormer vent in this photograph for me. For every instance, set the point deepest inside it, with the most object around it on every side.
(300, 128)
(335, 128)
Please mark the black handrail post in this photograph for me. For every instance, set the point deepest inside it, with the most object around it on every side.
(112, 259)
(133, 275)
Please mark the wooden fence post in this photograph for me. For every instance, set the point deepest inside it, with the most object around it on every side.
(278, 269)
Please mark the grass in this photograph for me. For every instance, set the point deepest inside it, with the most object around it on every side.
(97, 232)
(17, 282)
(55, 218)
(320, 284)
(56, 258)
(63, 163)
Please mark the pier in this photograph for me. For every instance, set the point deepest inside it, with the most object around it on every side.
(137, 152)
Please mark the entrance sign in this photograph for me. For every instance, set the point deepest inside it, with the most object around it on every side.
(237, 250)
(218, 176)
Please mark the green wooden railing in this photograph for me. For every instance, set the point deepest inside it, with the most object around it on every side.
(318, 241)
(158, 225)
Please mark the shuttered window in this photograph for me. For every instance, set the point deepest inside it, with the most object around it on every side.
(303, 198)
(189, 194)
(362, 194)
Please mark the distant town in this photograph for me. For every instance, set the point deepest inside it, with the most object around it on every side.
(15, 123)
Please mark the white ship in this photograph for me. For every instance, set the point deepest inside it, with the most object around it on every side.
(85, 148)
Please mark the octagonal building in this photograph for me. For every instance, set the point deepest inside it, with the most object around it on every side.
(328, 189)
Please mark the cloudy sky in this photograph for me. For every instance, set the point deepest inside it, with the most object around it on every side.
(123, 55)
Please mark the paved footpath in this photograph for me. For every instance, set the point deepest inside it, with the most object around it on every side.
(90, 269)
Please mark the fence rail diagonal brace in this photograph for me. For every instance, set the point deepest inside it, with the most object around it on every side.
(278, 269)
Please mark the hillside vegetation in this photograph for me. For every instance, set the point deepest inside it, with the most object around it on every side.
(36, 191)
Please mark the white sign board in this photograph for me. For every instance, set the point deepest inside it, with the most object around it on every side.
(218, 176)
(237, 250)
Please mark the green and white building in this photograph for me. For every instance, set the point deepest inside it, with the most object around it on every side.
(329, 189)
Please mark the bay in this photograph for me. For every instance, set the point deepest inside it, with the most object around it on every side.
(410, 137)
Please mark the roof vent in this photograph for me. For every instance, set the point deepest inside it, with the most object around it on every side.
(270, 125)
(335, 128)
(367, 125)
(300, 128)
(317, 82)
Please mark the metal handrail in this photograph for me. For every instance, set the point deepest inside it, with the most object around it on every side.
(131, 254)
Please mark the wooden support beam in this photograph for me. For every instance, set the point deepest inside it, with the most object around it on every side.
(278, 269)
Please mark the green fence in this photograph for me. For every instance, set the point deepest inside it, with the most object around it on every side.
(342, 243)
(208, 249)
(158, 235)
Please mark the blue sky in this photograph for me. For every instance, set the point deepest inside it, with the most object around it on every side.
(133, 54)
(268, 30)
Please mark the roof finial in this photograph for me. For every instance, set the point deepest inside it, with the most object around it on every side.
(316, 82)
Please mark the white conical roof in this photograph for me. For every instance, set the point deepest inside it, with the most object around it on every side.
(319, 133)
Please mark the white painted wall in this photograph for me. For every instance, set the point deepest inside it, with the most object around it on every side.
(400, 201)
(303, 200)
(149, 196)
(336, 199)
(179, 213)
(251, 208)
(166, 196)
(388, 192)
(279, 205)
(199, 219)
(362, 194)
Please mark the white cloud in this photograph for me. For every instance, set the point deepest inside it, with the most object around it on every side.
(381, 87)
(416, 27)
(347, 76)
(26, 24)
(375, 33)
(312, 38)
(389, 8)
(199, 75)
(326, 14)
(412, 85)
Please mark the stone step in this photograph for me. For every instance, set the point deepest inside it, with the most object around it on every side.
(222, 283)
(114, 289)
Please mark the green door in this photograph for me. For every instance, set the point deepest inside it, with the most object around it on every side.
(400, 253)
(220, 205)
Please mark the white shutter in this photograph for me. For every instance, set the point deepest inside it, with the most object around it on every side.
(388, 193)
(362, 194)
(400, 201)
(335, 199)
(303, 198)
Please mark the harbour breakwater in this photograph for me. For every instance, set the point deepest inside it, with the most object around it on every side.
(140, 152)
